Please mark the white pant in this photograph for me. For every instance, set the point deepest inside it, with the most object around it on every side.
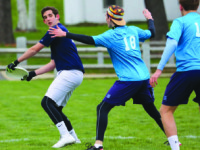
(63, 86)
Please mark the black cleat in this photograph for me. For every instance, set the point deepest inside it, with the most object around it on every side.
(167, 143)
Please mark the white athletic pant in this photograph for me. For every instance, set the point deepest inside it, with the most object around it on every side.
(63, 86)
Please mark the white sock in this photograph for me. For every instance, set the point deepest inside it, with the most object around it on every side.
(73, 133)
(174, 143)
(98, 145)
(62, 128)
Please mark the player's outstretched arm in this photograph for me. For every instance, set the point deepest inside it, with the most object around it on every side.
(57, 32)
(151, 25)
(29, 53)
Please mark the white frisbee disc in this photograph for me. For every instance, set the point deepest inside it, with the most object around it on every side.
(18, 73)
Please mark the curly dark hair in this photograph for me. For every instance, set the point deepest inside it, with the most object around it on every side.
(54, 10)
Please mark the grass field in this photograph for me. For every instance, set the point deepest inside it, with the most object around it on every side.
(25, 126)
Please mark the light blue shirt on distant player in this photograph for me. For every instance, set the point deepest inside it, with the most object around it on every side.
(187, 34)
(123, 47)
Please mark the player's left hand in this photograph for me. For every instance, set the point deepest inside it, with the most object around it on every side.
(29, 77)
(147, 14)
(154, 78)
(57, 32)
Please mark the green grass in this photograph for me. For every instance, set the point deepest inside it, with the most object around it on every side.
(25, 126)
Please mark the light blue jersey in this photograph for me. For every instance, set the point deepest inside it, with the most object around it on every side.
(186, 31)
(122, 44)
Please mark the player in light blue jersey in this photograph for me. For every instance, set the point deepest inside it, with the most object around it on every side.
(65, 58)
(122, 43)
(123, 46)
(183, 39)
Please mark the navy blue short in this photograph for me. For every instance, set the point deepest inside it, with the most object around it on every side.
(181, 86)
(140, 91)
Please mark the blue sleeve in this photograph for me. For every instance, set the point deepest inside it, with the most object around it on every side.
(175, 30)
(151, 27)
(143, 34)
(170, 47)
(102, 39)
(46, 40)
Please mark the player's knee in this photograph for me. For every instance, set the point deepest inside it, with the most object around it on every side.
(167, 110)
(98, 107)
(162, 111)
(104, 107)
(46, 101)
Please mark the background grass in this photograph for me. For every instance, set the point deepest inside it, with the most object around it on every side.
(25, 126)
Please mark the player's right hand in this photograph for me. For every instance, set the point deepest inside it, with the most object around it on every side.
(12, 66)
(57, 32)
(153, 80)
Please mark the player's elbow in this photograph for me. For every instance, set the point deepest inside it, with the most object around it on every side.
(153, 33)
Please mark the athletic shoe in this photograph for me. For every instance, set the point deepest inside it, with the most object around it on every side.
(78, 141)
(72, 133)
(94, 148)
(64, 140)
(167, 143)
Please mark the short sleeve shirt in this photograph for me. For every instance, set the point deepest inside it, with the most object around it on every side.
(123, 47)
(63, 51)
(186, 31)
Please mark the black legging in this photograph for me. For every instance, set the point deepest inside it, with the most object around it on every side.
(55, 112)
(102, 117)
(150, 108)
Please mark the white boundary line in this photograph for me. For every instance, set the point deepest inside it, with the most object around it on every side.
(13, 140)
(106, 137)
(191, 137)
(119, 137)
(25, 97)
(112, 137)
